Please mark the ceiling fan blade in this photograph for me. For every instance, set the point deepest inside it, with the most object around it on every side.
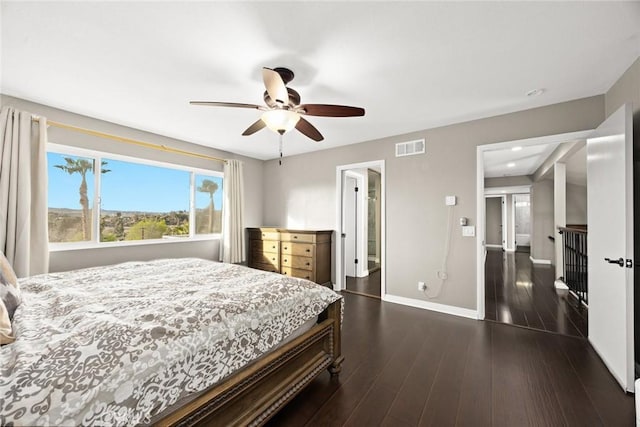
(275, 86)
(328, 110)
(258, 125)
(309, 130)
(227, 104)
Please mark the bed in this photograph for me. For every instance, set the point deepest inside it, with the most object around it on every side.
(166, 342)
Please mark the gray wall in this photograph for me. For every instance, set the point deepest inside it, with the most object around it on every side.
(493, 218)
(67, 260)
(576, 204)
(301, 192)
(542, 220)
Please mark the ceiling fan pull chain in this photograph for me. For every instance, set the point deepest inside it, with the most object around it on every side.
(280, 161)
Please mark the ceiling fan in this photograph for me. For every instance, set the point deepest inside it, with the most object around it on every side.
(283, 110)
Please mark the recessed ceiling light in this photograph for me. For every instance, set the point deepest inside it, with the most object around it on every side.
(511, 165)
(535, 92)
(518, 148)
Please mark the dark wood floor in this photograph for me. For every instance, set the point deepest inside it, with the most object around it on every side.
(369, 285)
(521, 293)
(408, 367)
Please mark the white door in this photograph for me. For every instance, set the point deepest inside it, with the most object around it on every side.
(350, 226)
(610, 244)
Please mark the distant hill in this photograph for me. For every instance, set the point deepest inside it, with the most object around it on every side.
(78, 212)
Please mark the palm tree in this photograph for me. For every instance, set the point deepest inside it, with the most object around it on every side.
(81, 166)
(210, 187)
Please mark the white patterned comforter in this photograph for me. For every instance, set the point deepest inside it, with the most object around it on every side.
(116, 345)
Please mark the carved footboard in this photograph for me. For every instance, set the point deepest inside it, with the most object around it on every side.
(255, 394)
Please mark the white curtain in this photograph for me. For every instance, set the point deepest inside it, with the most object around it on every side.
(232, 244)
(24, 234)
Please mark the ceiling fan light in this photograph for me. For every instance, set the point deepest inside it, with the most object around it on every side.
(280, 121)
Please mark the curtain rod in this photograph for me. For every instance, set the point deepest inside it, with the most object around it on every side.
(128, 140)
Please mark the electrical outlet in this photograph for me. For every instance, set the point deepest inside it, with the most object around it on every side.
(422, 286)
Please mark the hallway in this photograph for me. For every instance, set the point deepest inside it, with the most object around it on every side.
(520, 293)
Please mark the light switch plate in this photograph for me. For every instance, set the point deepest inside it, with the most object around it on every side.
(450, 200)
(469, 231)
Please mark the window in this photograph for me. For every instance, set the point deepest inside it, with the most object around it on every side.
(129, 199)
(70, 195)
(208, 197)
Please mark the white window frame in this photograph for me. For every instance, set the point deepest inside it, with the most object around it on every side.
(96, 202)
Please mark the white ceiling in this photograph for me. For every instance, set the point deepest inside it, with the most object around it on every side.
(526, 160)
(411, 65)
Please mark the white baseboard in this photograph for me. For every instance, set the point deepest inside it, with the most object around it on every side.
(559, 284)
(540, 261)
(433, 306)
(493, 246)
(509, 250)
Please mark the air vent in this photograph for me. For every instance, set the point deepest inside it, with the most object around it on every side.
(410, 148)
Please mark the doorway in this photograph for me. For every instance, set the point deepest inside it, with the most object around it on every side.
(360, 216)
(495, 224)
(522, 222)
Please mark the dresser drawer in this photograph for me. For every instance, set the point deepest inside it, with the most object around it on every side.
(298, 237)
(304, 263)
(263, 235)
(259, 257)
(301, 274)
(265, 245)
(265, 267)
(301, 249)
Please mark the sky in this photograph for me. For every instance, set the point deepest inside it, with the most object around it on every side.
(128, 187)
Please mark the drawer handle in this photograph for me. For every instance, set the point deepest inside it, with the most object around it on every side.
(273, 247)
(273, 259)
(264, 235)
(295, 237)
(308, 250)
(286, 260)
(307, 278)
(285, 248)
(308, 264)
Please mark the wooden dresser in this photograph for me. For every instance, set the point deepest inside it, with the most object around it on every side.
(297, 253)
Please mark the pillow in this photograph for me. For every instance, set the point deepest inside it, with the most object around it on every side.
(6, 334)
(9, 290)
(10, 298)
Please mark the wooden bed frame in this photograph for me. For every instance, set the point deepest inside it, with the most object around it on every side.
(256, 393)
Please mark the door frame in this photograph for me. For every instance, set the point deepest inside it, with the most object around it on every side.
(340, 282)
(503, 217)
(480, 193)
(513, 212)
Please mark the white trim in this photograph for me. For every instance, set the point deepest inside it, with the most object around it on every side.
(361, 222)
(510, 250)
(432, 306)
(501, 191)
(84, 152)
(76, 246)
(512, 225)
(481, 208)
(480, 201)
(339, 285)
(493, 246)
(540, 261)
(559, 284)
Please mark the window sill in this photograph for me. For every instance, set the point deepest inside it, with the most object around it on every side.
(62, 247)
